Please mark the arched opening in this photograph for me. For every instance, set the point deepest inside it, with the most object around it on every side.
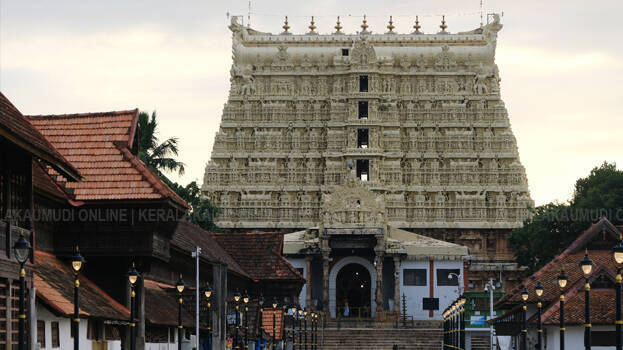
(353, 288)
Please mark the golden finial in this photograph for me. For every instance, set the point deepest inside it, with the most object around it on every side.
(417, 26)
(312, 26)
(285, 26)
(443, 25)
(391, 25)
(364, 25)
(338, 26)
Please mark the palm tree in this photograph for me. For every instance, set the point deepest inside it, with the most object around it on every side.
(158, 157)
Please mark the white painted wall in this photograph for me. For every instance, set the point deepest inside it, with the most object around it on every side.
(414, 294)
(64, 331)
(574, 337)
(186, 344)
(300, 264)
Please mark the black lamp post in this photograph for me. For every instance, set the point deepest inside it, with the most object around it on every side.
(274, 321)
(305, 329)
(245, 299)
(562, 283)
(524, 330)
(180, 285)
(77, 261)
(293, 325)
(285, 313)
(617, 252)
(133, 276)
(462, 302)
(587, 266)
(300, 314)
(208, 294)
(539, 292)
(22, 253)
(237, 327)
(260, 302)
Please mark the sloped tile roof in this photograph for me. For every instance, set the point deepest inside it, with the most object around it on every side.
(574, 297)
(259, 254)
(15, 127)
(54, 281)
(187, 236)
(161, 305)
(99, 145)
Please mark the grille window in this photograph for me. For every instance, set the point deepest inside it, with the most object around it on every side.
(56, 342)
(414, 277)
(363, 169)
(41, 333)
(363, 109)
(363, 83)
(363, 138)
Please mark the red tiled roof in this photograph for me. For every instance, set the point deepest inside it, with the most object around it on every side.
(98, 144)
(267, 322)
(602, 308)
(54, 281)
(569, 261)
(42, 181)
(187, 236)
(20, 131)
(161, 305)
(259, 254)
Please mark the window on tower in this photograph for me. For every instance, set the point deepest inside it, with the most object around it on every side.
(344, 52)
(363, 109)
(363, 83)
(363, 169)
(363, 138)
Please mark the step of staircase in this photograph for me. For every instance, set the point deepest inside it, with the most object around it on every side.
(381, 338)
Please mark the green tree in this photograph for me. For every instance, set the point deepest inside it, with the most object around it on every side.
(554, 226)
(157, 156)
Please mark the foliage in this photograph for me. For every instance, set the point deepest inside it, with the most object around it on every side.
(161, 157)
(554, 226)
(158, 157)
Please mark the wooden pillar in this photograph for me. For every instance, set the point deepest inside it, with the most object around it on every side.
(308, 282)
(397, 283)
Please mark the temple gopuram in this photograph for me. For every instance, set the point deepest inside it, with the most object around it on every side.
(362, 145)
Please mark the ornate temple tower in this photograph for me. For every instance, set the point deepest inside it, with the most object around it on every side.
(417, 118)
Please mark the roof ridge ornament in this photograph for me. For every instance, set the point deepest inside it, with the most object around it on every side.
(443, 25)
(417, 26)
(312, 27)
(364, 26)
(286, 27)
(391, 26)
(338, 27)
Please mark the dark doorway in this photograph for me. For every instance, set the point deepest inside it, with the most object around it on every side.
(353, 285)
(363, 138)
(363, 169)
(363, 83)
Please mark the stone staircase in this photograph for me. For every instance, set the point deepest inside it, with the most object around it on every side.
(480, 342)
(374, 338)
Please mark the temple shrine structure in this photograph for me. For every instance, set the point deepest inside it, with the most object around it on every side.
(387, 159)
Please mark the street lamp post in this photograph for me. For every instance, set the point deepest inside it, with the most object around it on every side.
(180, 285)
(293, 326)
(562, 283)
(245, 299)
(260, 302)
(524, 329)
(274, 322)
(208, 294)
(300, 311)
(285, 313)
(618, 259)
(133, 276)
(539, 292)
(22, 253)
(77, 261)
(587, 266)
(237, 326)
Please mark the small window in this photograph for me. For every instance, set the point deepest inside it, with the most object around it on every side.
(41, 333)
(56, 341)
(447, 277)
(363, 109)
(363, 138)
(363, 169)
(344, 52)
(414, 277)
(363, 83)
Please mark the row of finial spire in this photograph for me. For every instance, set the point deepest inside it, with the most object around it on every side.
(364, 26)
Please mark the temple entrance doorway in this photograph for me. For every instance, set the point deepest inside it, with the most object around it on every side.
(345, 281)
(353, 287)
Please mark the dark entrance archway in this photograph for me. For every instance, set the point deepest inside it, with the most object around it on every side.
(353, 285)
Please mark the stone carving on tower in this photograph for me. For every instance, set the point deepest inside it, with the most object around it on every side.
(419, 116)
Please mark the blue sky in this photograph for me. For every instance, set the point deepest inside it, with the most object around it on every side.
(561, 64)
